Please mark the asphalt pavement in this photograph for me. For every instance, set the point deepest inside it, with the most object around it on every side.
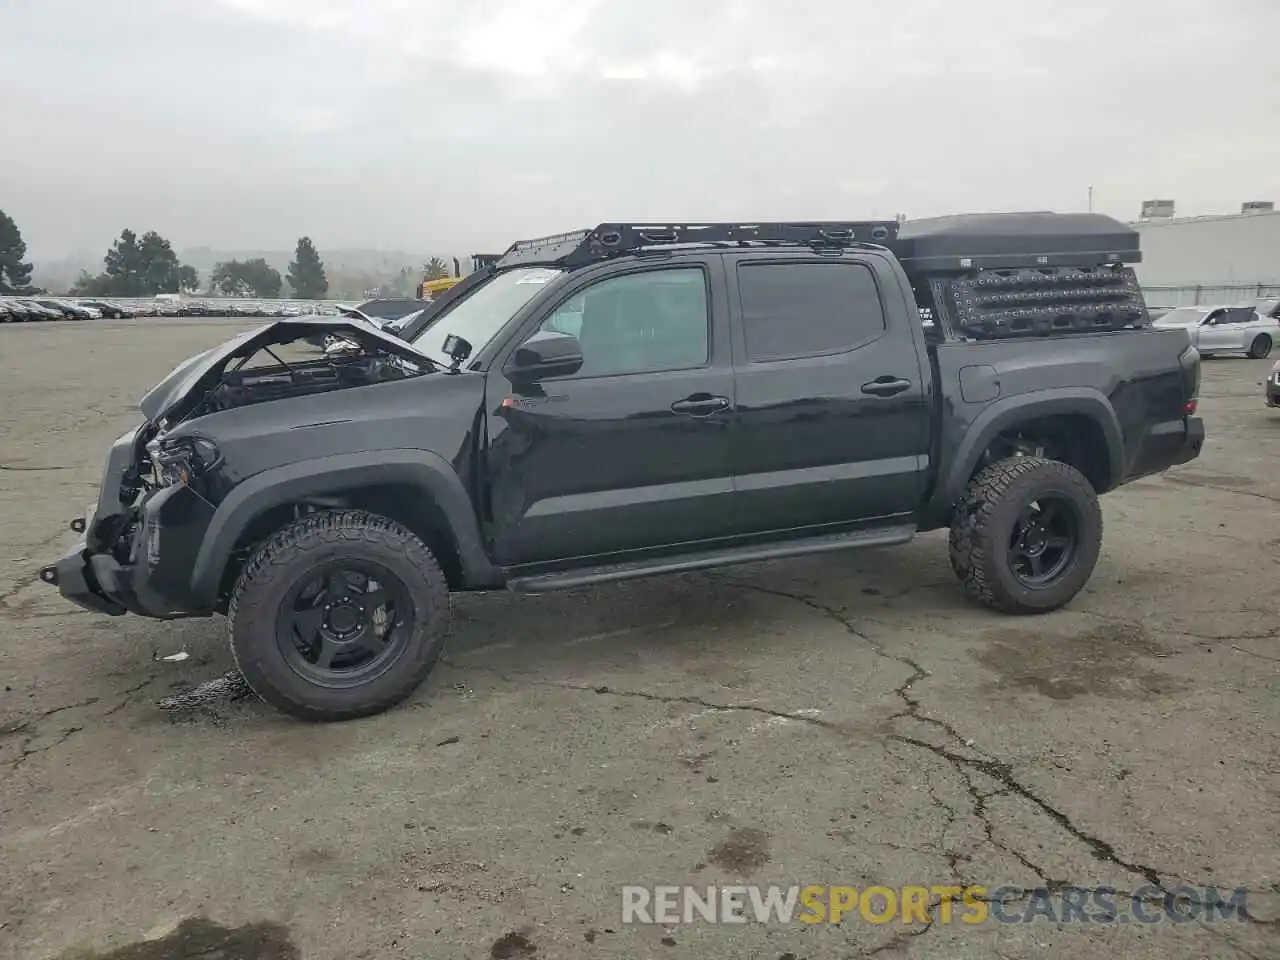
(843, 720)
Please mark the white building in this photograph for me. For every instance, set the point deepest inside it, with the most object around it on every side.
(1230, 258)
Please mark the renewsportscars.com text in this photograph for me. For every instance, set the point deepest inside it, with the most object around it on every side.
(831, 904)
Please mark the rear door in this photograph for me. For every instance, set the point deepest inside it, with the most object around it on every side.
(832, 420)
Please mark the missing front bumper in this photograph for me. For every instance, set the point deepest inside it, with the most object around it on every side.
(168, 525)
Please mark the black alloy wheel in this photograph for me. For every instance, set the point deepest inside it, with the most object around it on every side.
(1044, 540)
(344, 623)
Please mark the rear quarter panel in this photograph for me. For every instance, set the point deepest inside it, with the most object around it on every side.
(1130, 382)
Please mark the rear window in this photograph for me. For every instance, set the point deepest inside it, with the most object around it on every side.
(796, 310)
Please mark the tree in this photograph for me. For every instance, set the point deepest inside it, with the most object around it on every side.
(90, 286)
(306, 272)
(256, 277)
(123, 264)
(15, 275)
(435, 269)
(139, 267)
(189, 279)
(403, 283)
(161, 271)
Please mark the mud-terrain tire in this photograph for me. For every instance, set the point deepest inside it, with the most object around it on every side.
(397, 565)
(1260, 348)
(1018, 510)
(958, 540)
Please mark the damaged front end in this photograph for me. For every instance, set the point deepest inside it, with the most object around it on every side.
(140, 541)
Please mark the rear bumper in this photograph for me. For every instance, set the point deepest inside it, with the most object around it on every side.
(1272, 394)
(1192, 441)
(1167, 445)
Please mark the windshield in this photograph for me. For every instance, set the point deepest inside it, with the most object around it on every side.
(481, 315)
(1181, 318)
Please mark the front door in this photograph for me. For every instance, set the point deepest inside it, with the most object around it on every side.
(832, 422)
(631, 451)
(1218, 332)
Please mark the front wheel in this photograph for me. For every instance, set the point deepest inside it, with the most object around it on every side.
(338, 615)
(1026, 536)
(1260, 348)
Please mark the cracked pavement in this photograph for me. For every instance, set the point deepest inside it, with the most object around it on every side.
(847, 719)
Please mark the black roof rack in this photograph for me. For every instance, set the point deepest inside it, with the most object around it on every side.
(582, 247)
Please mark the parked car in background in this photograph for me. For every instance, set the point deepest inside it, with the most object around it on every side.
(1271, 386)
(38, 311)
(112, 311)
(1267, 307)
(1225, 329)
(69, 310)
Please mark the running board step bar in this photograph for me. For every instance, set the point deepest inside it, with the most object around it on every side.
(608, 573)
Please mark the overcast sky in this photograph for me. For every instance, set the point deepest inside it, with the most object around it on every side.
(411, 124)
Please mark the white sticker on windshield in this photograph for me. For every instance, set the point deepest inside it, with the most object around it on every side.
(538, 276)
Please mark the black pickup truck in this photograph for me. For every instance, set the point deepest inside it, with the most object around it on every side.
(642, 399)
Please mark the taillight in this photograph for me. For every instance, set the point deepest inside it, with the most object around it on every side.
(1190, 364)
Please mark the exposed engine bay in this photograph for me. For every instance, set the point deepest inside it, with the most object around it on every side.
(296, 362)
(287, 358)
(335, 371)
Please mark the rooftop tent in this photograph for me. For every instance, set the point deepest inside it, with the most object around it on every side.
(992, 240)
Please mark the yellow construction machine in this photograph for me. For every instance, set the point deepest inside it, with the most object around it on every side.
(430, 289)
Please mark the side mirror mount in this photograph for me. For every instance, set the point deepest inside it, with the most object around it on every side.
(546, 354)
(457, 349)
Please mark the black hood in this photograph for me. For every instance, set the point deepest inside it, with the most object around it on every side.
(199, 373)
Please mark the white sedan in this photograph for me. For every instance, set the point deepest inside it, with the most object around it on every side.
(1225, 329)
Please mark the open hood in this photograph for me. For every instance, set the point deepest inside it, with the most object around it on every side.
(195, 376)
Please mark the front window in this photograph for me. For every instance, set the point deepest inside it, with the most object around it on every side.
(479, 317)
(639, 323)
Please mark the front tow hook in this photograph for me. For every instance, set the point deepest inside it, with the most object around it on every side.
(49, 575)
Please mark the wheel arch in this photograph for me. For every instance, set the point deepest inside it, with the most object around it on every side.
(415, 487)
(1012, 413)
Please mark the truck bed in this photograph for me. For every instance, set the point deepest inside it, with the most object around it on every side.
(1136, 383)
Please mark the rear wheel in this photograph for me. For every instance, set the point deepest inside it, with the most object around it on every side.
(1026, 536)
(1261, 347)
(339, 615)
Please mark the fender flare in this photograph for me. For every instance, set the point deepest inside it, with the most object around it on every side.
(427, 471)
(1004, 414)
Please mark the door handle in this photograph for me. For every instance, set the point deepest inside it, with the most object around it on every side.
(700, 405)
(886, 386)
